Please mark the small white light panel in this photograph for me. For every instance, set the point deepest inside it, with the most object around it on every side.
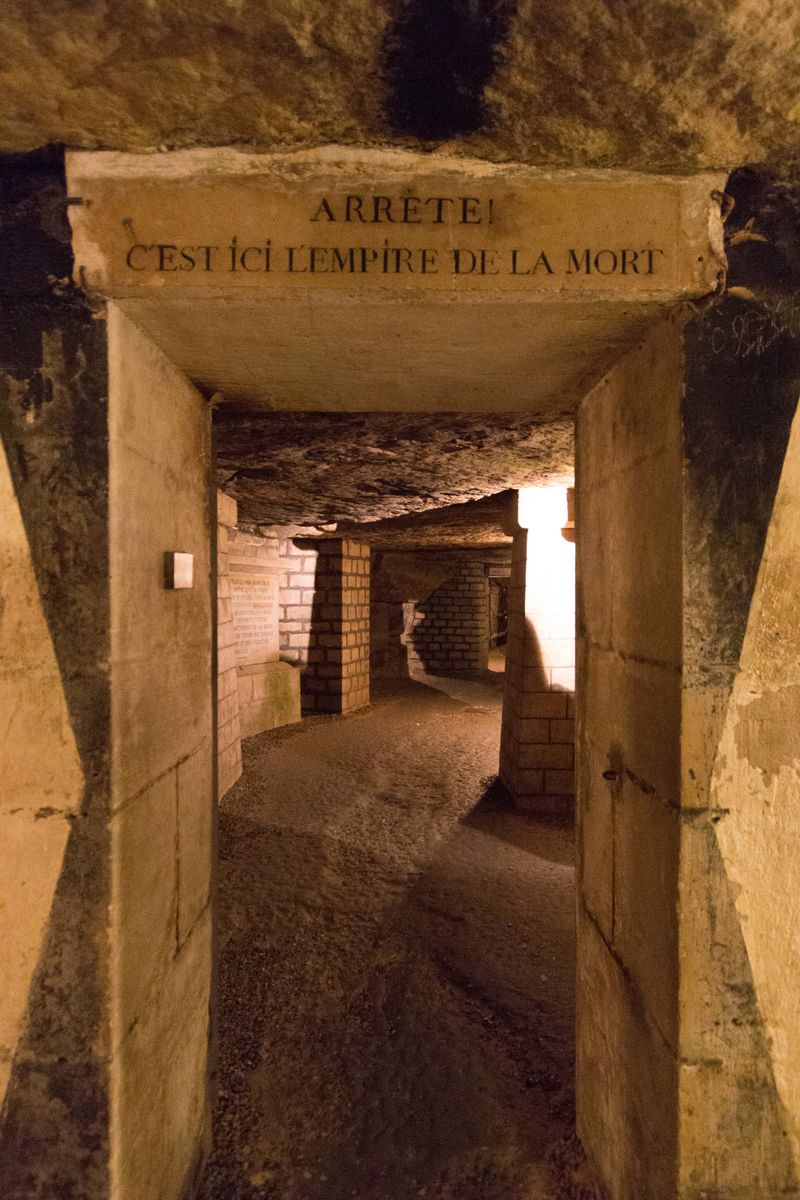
(178, 569)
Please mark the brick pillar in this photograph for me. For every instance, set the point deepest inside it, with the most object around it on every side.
(336, 678)
(229, 737)
(538, 733)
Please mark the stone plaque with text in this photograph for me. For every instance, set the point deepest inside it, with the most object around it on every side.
(255, 596)
(226, 219)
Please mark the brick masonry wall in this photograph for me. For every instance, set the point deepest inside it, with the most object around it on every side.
(336, 677)
(450, 634)
(537, 751)
(229, 738)
(324, 615)
(298, 561)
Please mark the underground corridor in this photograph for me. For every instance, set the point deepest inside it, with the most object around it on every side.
(403, 711)
(396, 968)
(396, 971)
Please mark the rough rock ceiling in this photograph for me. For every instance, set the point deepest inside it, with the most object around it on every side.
(477, 523)
(669, 84)
(317, 469)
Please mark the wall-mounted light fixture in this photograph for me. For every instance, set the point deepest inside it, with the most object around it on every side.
(178, 569)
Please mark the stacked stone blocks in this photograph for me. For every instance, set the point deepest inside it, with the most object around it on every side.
(451, 628)
(298, 559)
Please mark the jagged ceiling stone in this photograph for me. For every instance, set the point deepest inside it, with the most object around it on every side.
(670, 84)
(321, 468)
(476, 523)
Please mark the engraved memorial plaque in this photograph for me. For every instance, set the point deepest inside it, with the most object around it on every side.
(255, 596)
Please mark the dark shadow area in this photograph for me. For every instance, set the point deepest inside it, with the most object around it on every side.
(742, 383)
(496, 814)
(498, 610)
(432, 613)
(321, 678)
(438, 58)
(53, 424)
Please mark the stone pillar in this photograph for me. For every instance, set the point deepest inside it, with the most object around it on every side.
(107, 743)
(537, 741)
(628, 507)
(229, 734)
(687, 1076)
(336, 678)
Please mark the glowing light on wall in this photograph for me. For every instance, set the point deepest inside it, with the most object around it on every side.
(550, 582)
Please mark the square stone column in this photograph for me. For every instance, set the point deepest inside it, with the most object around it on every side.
(538, 731)
(336, 679)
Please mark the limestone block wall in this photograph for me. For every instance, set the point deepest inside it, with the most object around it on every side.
(229, 734)
(324, 626)
(41, 772)
(355, 624)
(628, 517)
(687, 522)
(55, 700)
(107, 1087)
(450, 633)
(162, 806)
(537, 748)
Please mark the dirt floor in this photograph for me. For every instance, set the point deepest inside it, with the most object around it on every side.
(396, 980)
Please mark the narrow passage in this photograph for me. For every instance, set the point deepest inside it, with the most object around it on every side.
(397, 958)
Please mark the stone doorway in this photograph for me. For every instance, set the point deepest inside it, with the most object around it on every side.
(126, 889)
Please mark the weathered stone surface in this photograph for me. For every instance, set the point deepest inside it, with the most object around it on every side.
(40, 768)
(161, 1143)
(269, 696)
(669, 85)
(697, 757)
(476, 523)
(335, 279)
(53, 407)
(316, 469)
(739, 736)
(628, 698)
(346, 222)
(145, 871)
(162, 770)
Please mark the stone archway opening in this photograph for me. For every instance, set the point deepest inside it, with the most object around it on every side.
(333, 283)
